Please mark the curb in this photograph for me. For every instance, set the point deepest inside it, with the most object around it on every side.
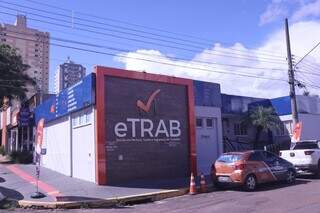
(102, 203)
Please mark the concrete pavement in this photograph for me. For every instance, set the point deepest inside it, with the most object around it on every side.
(18, 182)
(303, 197)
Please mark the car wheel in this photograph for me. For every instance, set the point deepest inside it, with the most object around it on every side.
(317, 173)
(219, 185)
(250, 183)
(291, 177)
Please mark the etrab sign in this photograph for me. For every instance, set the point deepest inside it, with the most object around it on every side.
(146, 126)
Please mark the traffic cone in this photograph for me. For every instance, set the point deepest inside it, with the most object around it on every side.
(193, 189)
(203, 186)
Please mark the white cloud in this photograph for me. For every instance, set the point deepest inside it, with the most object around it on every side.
(304, 35)
(308, 10)
(275, 10)
(295, 10)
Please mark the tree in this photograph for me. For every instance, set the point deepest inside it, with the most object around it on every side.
(13, 79)
(264, 119)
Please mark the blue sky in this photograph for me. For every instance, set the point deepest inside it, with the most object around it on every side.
(252, 24)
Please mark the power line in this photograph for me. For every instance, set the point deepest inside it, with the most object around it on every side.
(152, 55)
(128, 33)
(313, 67)
(148, 42)
(158, 62)
(141, 26)
(307, 53)
(231, 54)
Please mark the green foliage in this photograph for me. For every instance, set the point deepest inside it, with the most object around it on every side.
(13, 79)
(2, 150)
(264, 118)
(21, 157)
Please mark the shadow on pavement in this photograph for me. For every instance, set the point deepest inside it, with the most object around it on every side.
(10, 193)
(268, 186)
(308, 176)
(275, 185)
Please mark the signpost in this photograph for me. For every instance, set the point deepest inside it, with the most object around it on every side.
(39, 139)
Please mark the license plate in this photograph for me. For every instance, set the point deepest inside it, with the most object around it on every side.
(224, 179)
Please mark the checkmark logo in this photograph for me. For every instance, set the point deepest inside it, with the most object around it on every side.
(146, 107)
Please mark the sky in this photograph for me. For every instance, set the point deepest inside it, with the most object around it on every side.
(239, 44)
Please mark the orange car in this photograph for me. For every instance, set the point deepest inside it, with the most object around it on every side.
(251, 168)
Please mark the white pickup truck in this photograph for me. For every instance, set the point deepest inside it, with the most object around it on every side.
(305, 156)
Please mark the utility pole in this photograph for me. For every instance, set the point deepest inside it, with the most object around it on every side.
(293, 99)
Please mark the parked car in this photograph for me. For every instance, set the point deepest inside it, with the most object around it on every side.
(305, 156)
(251, 168)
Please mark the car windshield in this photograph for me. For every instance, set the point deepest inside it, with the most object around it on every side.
(306, 145)
(229, 158)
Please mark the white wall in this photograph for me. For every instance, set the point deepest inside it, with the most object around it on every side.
(310, 125)
(208, 140)
(57, 142)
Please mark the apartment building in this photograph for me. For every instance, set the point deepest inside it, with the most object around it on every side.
(68, 74)
(33, 46)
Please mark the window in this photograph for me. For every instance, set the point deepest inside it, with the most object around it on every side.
(256, 156)
(81, 118)
(229, 158)
(306, 145)
(269, 157)
(240, 129)
(199, 122)
(209, 122)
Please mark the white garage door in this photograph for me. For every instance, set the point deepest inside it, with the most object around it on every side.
(57, 143)
(83, 145)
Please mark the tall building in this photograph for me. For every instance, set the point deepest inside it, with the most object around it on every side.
(33, 46)
(68, 74)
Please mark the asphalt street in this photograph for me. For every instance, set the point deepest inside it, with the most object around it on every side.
(304, 197)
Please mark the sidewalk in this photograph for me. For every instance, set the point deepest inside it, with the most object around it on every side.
(18, 181)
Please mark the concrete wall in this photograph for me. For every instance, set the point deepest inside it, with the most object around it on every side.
(208, 139)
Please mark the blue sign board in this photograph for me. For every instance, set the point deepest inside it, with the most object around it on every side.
(282, 105)
(74, 98)
(207, 94)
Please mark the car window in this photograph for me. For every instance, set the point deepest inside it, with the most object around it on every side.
(229, 158)
(306, 145)
(269, 157)
(256, 156)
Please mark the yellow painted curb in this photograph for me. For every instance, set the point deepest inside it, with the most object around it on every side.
(109, 202)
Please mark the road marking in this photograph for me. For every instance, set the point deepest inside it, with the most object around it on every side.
(48, 189)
